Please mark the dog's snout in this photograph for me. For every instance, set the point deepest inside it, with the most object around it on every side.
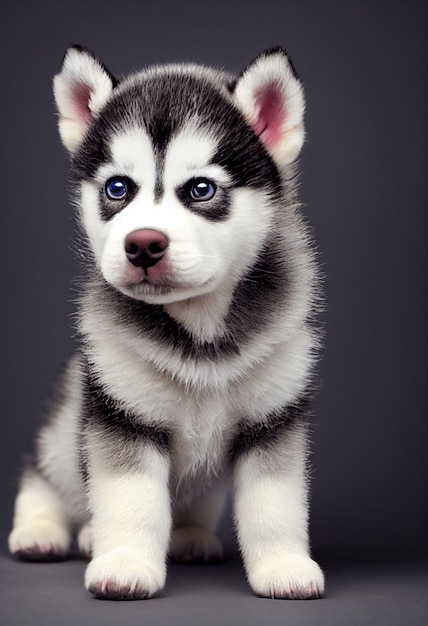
(144, 248)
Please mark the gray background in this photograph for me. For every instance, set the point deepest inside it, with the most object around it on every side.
(363, 184)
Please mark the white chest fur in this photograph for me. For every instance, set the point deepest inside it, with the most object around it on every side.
(269, 373)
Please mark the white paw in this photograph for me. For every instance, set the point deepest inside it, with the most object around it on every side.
(290, 576)
(195, 544)
(124, 574)
(40, 540)
(84, 540)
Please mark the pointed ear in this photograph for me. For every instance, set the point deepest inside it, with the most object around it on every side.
(81, 88)
(270, 95)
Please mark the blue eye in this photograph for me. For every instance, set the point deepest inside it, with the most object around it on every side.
(202, 189)
(116, 189)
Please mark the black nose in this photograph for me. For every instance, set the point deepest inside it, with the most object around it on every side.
(145, 247)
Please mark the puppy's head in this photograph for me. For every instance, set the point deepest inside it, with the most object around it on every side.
(178, 169)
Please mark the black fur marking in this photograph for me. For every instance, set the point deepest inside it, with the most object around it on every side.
(154, 321)
(264, 435)
(83, 460)
(159, 180)
(159, 147)
(92, 153)
(161, 129)
(231, 85)
(256, 170)
(216, 210)
(108, 207)
(104, 411)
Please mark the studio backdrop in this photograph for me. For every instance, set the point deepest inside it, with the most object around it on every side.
(364, 191)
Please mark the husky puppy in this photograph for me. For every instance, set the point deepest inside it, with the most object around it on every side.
(197, 337)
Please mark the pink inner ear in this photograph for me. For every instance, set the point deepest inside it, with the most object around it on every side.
(271, 115)
(81, 97)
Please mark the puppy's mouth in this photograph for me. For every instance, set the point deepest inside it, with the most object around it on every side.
(167, 291)
(162, 283)
(146, 288)
(152, 284)
(156, 279)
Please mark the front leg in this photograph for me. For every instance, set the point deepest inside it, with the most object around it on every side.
(271, 508)
(128, 471)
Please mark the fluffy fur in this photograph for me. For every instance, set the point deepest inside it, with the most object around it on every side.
(197, 333)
